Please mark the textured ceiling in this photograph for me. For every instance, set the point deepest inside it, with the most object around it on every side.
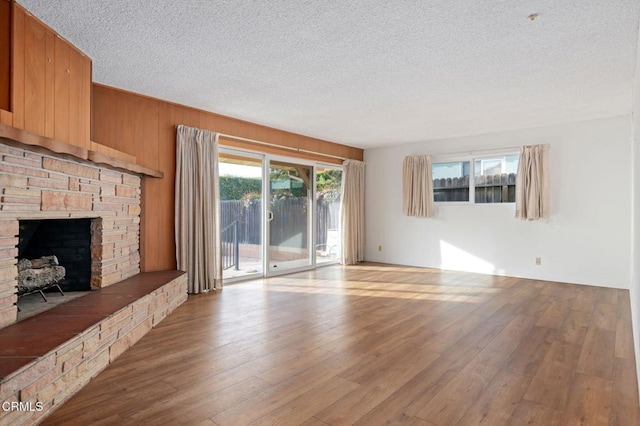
(365, 72)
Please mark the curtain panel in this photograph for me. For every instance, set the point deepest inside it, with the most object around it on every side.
(417, 186)
(532, 183)
(352, 212)
(197, 212)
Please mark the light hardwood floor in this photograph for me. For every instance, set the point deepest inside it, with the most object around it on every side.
(377, 344)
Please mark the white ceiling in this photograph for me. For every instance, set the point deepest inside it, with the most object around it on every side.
(365, 72)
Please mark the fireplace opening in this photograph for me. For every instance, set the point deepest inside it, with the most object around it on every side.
(69, 240)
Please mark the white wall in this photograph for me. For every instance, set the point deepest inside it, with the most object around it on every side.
(634, 291)
(586, 241)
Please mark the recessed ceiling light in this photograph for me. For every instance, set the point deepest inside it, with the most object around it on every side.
(532, 17)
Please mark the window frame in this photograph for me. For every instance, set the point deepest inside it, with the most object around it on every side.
(471, 157)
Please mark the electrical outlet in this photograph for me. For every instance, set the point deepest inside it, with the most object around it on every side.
(538, 261)
(379, 248)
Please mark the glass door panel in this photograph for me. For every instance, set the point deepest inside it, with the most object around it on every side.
(241, 214)
(289, 216)
(328, 185)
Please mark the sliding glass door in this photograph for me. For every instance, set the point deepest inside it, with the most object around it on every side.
(292, 205)
(289, 216)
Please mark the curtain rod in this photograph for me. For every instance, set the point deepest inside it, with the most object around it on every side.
(273, 145)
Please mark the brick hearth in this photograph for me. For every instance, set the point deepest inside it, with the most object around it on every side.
(49, 357)
(39, 186)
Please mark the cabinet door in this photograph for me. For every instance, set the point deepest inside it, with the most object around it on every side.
(34, 75)
(5, 55)
(51, 82)
(61, 86)
(78, 118)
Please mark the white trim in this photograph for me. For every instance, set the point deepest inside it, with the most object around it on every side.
(472, 155)
(290, 271)
(242, 278)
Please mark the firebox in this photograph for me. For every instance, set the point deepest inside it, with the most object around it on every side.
(67, 239)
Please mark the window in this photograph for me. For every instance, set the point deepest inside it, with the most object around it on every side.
(451, 181)
(494, 180)
(328, 205)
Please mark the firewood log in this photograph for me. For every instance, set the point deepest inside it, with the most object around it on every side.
(33, 279)
(44, 262)
(24, 264)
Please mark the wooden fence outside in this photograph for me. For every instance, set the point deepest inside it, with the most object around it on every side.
(499, 188)
(289, 220)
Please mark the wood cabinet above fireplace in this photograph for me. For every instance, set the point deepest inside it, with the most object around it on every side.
(45, 92)
(51, 82)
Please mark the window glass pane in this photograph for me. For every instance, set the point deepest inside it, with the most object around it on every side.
(290, 215)
(240, 214)
(451, 181)
(495, 179)
(328, 185)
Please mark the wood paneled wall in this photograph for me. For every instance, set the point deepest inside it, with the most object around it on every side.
(5, 55)
(51, 82)
(145, 127)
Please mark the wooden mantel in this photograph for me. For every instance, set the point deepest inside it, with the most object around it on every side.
(10, 135)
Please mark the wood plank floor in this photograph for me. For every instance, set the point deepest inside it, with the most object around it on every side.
(377, 344)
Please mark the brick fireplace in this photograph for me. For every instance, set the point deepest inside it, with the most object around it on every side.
(37, 186)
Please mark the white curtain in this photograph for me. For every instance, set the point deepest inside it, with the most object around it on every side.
(532, 183)
(352, 212)
(417, 186)
(198, 209)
